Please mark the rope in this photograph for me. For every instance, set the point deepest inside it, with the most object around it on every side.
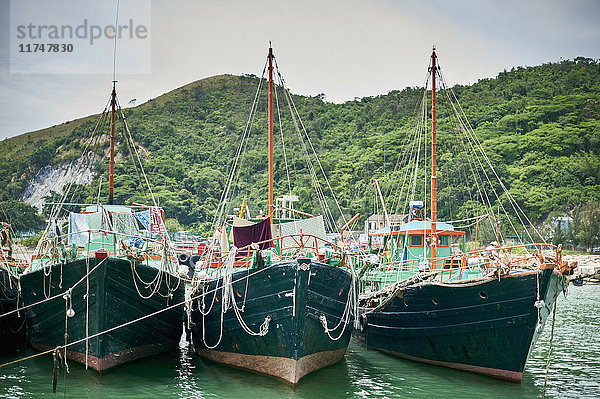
(55, 296)
(29, 357)
(346, 314)
(550, 347)
(296, 118)
(183, 303)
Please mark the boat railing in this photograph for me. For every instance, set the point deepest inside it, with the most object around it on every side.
(282, 248)
(13, 264)
(189, 247)
(132, 246)
(456, 267)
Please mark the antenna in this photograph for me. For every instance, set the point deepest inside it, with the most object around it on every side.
(115, 47)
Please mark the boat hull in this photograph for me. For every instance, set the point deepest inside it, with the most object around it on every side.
(12, 326)
(486, 326)
(297, 297)
(118, 292)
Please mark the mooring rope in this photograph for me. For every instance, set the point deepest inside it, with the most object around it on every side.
(55, 296)
(551, 339)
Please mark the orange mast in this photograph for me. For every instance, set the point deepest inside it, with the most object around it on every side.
(434, 236)
(111, 172)
(270, 199)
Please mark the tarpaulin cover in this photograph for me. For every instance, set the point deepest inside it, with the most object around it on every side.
(124, 223)
(313, 226)
(144, 218)
(80, 225)
(157, 224)
(246, 235)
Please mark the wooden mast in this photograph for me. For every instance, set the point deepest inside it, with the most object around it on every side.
(270, 199)
(111, 172)
(434, 236)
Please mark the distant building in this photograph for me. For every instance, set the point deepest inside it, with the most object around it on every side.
(377, 221)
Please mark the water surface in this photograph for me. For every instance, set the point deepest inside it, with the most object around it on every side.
(574, 371)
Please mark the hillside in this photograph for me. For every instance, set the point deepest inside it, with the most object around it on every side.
(540, 125)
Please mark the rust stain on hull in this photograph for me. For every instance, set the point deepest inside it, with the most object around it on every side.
(289, 370)
(112, 360)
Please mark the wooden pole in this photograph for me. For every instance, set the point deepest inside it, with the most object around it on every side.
(111, 171)
(433, 164)
(270, 199)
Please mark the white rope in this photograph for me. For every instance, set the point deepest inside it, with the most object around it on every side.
(226, 281)
(287, 170)
(55, 296)
(296, 118)
(348, 309)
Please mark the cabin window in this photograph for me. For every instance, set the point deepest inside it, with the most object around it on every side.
(416, 241)
(443, 241)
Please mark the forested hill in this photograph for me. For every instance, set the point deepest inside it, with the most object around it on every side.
(541, 124)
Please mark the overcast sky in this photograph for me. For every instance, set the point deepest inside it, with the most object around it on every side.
(342, 48)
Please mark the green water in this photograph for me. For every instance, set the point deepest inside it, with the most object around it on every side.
(574, 371)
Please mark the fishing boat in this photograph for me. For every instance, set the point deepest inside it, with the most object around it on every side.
(271, 293)
(102, 288)
(429, 297)
(12, 322)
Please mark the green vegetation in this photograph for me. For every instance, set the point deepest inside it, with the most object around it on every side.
(21, 216)
(31, 242)
(539, 125)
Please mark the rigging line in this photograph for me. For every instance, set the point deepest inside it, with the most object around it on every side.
(443, 164)
(407, 169)
(415, 152)
(485, 201)
(313, 150)
(287, 171)
(57, 207)
(344, 221)
(132, 152)
(472, 138)
(471, 154)
(479, 147)
(462, 164)
(79, 166)
(65, 193)
(410, 151)
(314, 178)
(55, 296)
(408, 140)
(421, 138)
(219, 215)
(511, 198)
(55, 212)
(467, 219)
(139, 160)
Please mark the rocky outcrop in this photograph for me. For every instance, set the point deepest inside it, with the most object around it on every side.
(55, 178)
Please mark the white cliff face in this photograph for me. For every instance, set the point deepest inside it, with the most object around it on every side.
(55, 178)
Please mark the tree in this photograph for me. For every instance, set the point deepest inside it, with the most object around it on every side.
(20, 215)
(586, 222)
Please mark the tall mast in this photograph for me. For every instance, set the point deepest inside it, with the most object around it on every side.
(270, 200)
(111, 172)
(434, 236)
